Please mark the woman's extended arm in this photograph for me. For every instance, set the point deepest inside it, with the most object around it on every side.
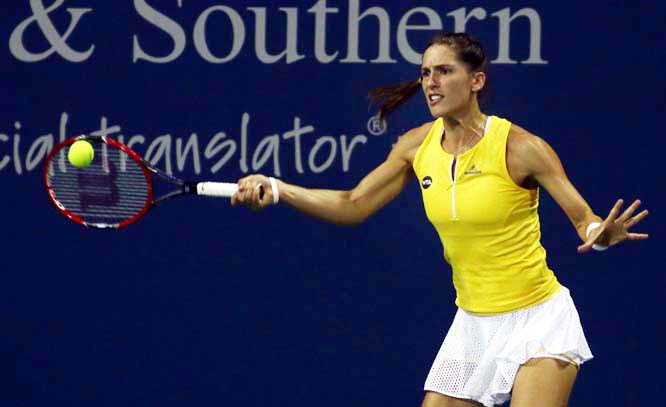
(528, 156)
(349, 207)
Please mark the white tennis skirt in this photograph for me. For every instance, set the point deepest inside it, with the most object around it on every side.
(481, 355)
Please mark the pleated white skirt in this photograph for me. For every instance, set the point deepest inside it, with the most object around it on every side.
(481, 355)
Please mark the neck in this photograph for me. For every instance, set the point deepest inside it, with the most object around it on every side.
(459, 127)
(463, 130)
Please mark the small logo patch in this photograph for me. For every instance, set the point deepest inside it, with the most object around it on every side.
(426, 182)
(473, 170)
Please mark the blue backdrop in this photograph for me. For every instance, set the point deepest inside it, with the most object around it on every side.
(200, 303)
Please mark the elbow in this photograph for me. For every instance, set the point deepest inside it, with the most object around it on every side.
(352, 222)
(357, 212)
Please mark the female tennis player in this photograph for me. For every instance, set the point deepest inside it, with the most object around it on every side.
(516, 334)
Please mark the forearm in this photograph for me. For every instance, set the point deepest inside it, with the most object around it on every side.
(583, 222)
(331, 206)
(576, 208)
(351, 207)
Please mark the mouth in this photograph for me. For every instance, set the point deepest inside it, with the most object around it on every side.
(434, 98)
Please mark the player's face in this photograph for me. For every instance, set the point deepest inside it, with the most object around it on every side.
(446, 82)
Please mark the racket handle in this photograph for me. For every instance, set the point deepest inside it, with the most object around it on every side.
(219, 189)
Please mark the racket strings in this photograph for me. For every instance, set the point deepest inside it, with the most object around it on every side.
(112, 189)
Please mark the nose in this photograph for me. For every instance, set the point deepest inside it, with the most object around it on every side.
(432, 81)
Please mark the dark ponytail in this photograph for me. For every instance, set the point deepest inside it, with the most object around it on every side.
(391, 97)
(468, 50)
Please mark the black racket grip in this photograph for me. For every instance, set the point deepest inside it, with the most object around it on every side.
(190, 188)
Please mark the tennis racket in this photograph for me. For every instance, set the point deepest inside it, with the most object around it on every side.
(116, 189)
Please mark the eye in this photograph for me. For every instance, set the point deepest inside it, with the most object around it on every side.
(425, 73)
(443, 70)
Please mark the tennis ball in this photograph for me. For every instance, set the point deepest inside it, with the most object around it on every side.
(81, 154)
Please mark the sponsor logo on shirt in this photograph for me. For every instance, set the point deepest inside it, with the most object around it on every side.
(473, 170)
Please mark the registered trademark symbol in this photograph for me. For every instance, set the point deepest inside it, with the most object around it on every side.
(376, 127)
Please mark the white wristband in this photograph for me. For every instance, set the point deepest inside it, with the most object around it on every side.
(590, 228)
(276, 192)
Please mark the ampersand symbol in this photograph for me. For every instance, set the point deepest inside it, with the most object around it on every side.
(58, 42)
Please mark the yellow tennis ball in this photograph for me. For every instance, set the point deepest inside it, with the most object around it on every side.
(81, 154)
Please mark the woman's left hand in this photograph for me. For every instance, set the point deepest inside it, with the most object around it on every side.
(615, 229)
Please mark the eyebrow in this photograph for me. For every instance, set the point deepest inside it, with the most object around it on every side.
(438, 66)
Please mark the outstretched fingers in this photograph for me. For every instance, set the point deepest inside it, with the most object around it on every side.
(615, 210)
(634, 220)
(585, 247)
(637, 236)
(615, 228)
(627, 221)
(629, 211)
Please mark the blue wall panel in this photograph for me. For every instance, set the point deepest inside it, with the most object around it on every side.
(200, 303)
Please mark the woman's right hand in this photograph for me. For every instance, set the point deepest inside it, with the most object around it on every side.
(254, 192)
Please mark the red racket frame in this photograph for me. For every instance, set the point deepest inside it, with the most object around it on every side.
(111, 142)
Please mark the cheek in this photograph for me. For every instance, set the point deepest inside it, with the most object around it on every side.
(459, 90)
(459, 86)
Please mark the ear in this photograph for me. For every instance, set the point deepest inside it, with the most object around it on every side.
(478, 81)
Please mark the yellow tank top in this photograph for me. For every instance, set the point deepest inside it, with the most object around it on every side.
(488, 225)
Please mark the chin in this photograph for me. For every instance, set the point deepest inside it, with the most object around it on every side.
(439, 112)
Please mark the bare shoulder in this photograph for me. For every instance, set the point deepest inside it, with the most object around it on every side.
(410, 141)
(524, 144)
(528, 154)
